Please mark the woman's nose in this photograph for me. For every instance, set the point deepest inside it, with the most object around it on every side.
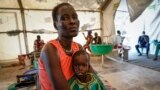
(72, 20)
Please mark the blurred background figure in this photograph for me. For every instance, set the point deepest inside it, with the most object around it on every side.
(38, 44)
(97, 39)
(143, 42)
(118, 40)
(118, 43)
(157, 43)
(89, 39)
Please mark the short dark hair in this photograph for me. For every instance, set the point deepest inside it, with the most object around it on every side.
(96, 33)
(143, 32)
(118, 32)
(38, 36)
(78, 53)
(89, 31)
(55, 12)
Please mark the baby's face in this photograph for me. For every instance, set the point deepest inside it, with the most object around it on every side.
(81, 65)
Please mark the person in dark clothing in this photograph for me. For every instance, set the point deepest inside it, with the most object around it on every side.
(97, 39)
(143, 42)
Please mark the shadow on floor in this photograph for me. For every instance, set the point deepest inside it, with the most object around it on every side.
(145, 62)
(142, 61)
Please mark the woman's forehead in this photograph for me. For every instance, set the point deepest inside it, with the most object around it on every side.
(66, 9)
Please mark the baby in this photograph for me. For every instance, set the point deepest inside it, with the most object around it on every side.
(83, 79)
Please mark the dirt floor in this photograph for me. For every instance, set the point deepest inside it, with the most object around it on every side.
(8, 73)
(121, 75)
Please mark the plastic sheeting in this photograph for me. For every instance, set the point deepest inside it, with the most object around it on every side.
(149, 21)
(49, 4)
(12, 46)
(136, 7)
(108, 22)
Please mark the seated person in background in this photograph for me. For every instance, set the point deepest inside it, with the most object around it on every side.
(97, 39)
(118, 40)
(143, 42)
(38, 44)
(157, 49)
(89, 39)
(83, 79)
(118, 43)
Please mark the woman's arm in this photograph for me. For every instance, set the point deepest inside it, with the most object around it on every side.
(84, 36)
(53, 67)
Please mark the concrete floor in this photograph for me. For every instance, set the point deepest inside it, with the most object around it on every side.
(8, 73)
(125, 76)
(121, 75)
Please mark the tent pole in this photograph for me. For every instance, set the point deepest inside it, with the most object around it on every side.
(24, 25)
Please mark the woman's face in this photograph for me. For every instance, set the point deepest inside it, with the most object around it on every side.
(81, 65)
(67, 22)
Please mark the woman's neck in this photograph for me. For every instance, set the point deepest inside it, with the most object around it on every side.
(66, 44)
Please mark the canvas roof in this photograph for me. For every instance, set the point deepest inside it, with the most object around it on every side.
(49, 4)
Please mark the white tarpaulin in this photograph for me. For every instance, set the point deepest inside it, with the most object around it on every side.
(148, 21)
(136, 7)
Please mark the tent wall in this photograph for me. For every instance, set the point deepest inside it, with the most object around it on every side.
(42, 20)
(38, 23)
(154, 22)
(149, 21)
(10, 20)
(10, 45)
(108, 25)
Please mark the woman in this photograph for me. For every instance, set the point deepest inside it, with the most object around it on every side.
(55, 60)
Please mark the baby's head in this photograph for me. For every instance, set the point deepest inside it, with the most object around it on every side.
(80, 62)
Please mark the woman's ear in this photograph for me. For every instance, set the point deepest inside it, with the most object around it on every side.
(54, 24)
(89, 66)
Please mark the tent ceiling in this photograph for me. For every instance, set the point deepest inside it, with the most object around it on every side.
(9, 4)
(49, 4)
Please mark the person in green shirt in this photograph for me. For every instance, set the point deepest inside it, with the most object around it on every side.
(157, 43)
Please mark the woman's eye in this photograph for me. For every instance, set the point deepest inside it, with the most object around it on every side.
(74, 17)
(65, 18)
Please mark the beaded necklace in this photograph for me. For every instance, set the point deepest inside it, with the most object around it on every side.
(68, 52)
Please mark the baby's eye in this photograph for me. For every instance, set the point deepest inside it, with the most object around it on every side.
(75, 65)
(83, 65)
